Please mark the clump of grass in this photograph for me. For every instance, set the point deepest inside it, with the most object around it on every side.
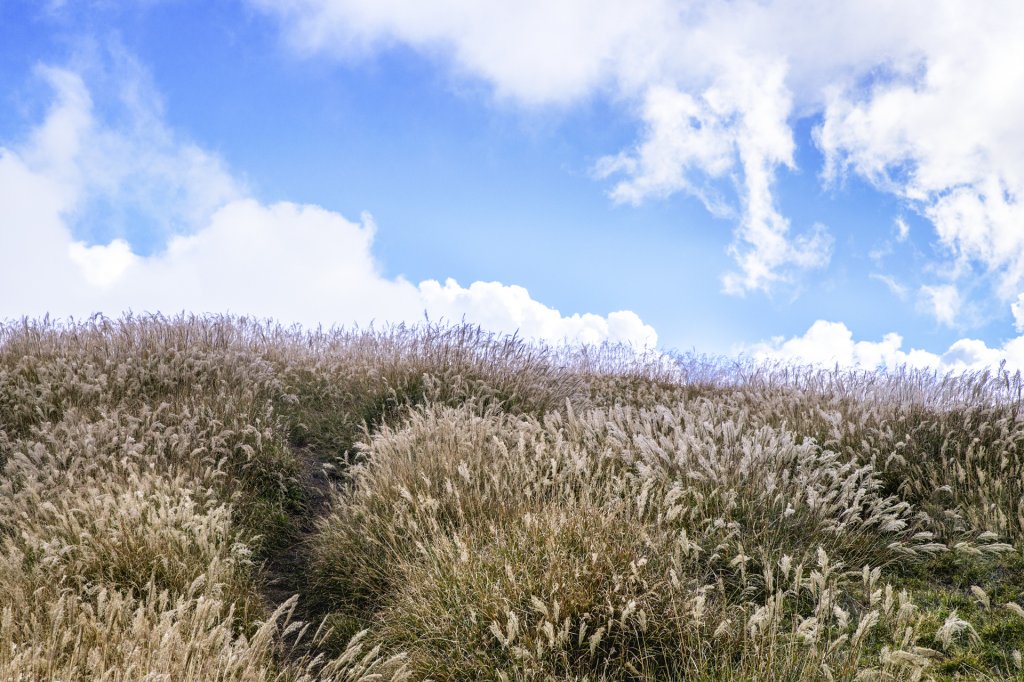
(691, 497)
(343, 381)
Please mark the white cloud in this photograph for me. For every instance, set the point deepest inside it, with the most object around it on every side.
(230, 253)
(534, 51)
(902, 229)
(945, 136)
(890, 282)
(510, 308)
(684, 134)
(1017, 308)
(827, 344)
(942, 301)
(736, 127)
(103, 265)
(116, 175)
(922, 99)
(830, 343)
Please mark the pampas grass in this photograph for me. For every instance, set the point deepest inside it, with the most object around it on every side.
(455, 505)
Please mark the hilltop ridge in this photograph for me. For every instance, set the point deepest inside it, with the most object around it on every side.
(220, 498)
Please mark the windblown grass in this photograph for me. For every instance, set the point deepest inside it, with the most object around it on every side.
(496, 510)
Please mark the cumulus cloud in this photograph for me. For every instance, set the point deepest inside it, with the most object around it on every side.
(828, 344)
(102, 265)
(508, 308)
(922, 99)
(231, 253)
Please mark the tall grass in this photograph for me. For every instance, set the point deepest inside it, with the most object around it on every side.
(486, 508)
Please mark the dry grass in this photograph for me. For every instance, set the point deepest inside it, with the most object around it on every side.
(499, 511)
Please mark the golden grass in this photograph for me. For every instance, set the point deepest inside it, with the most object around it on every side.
(498, 510)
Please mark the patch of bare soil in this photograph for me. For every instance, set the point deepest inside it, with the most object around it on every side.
(285, 569)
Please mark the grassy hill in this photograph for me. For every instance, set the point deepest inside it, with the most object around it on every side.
(217, 499)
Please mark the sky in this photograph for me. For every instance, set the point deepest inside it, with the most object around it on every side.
(789, 179)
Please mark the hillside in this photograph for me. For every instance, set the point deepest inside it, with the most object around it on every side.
(219, 499)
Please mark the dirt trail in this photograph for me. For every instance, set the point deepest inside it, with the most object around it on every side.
(285, 569)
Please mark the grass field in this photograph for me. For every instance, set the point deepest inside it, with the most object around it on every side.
(219, 499)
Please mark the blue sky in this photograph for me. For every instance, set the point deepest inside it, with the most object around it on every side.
(736, 177)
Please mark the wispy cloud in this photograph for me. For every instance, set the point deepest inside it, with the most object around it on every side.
(902, 229)
(109, 176)
(899, 290)
(942, 301)
(717, 134)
